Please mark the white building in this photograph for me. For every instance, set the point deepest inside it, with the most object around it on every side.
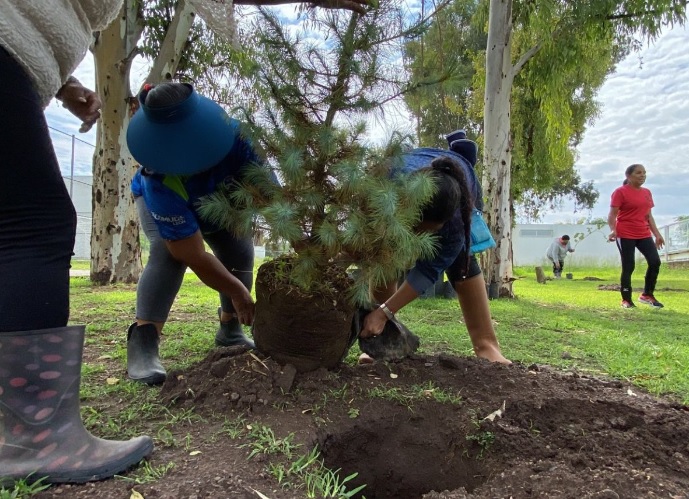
(79, 188)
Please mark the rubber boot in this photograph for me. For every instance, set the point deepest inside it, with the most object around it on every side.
(231, 334)
(143, 358)
(41, 433)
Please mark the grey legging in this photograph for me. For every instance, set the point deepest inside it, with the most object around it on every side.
(162, 276)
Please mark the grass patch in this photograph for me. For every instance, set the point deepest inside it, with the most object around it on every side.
(569, 324)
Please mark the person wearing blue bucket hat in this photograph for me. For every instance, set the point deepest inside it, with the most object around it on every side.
(187, 147)
(448, 215)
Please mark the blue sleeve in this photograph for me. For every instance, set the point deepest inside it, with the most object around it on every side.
(427, 272)
(136, 184)
(171, 213)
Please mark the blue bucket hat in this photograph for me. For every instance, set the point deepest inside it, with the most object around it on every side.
(459, 143)
(182, 139)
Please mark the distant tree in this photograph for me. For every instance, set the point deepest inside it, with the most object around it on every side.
(445, 53)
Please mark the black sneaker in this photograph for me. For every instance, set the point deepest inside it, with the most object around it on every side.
(627, 304)
(650, 300)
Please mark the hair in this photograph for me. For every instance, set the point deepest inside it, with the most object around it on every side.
(452, 193)
(167, 94)
(630, 169)
(565, 237)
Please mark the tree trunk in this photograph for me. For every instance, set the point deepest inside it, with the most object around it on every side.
(115, 249)
(498, 145)
(167, 61)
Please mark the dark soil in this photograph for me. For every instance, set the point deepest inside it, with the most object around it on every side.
(560, 435)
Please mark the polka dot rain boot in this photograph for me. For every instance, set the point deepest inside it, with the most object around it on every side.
(41, 432)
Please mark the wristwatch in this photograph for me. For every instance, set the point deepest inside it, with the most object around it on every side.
(388, 313)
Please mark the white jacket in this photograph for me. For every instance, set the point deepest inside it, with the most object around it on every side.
(556, 252)
(49, 38)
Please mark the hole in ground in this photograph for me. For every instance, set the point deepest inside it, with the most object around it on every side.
(405, 455)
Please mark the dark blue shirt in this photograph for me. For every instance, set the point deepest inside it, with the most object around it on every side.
(426, 273)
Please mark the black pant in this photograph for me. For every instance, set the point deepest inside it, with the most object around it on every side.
(648, 249)
(37, 218)
(557, 271)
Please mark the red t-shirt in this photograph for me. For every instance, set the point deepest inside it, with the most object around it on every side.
(634, 205)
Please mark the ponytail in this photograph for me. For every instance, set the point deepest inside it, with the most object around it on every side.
(452, 194)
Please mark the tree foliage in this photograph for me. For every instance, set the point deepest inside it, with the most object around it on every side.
(316, 88)
(442, 59)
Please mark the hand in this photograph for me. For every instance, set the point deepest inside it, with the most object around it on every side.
(612, 237)
(244, 306)
(660, 242)
(374, 323)
(81, 102)
(557, 266)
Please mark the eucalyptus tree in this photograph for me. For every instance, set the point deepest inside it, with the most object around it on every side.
(533, 33)
(445, 53)
(177, 45)
(454, 46)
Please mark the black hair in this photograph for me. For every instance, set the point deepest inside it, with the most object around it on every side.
(167, 94)
(565, 237)
(452, 192)
(630, 169)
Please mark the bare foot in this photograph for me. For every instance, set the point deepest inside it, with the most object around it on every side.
(366, 359)
(492, 354)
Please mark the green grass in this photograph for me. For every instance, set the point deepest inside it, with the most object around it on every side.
(572, 324)
(569, 324)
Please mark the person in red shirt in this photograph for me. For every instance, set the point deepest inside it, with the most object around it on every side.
(632, 225)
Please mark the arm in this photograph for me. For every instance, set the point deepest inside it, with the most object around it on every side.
(375, 321)
(612, 222)
(551, 254)
(660, 242)
(81, 102)
(192, 252)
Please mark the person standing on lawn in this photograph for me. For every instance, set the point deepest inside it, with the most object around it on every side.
(449, 215)
(632, 224)
(41, 432)
(557, 251)
(188, 148)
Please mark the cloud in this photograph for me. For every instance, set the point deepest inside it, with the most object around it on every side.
(644, 119)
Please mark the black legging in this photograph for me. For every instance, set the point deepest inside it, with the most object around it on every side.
(37, 218)
(648, 249)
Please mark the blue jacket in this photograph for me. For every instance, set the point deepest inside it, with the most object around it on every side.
(426, 273)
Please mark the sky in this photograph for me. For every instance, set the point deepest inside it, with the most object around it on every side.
(644, 119)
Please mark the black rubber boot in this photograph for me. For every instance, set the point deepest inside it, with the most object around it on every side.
(231, 334)
(143, 359)
(42, 434)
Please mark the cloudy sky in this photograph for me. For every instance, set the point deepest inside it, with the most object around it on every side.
(644, 119)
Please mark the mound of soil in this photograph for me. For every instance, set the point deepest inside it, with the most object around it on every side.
(426, 427)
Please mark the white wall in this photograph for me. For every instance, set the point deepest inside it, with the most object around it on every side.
(80, 188)
(531, 241)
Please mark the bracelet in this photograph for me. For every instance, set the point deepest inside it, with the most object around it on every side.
(388, 313)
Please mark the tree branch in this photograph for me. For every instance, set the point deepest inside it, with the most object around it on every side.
(358, 6)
